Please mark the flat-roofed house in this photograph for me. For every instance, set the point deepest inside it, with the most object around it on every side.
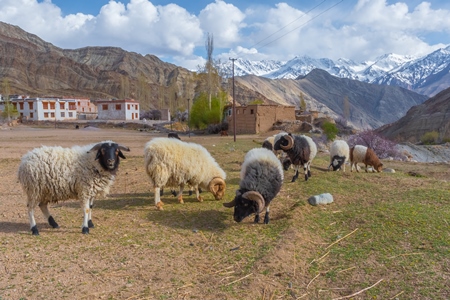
(123, 109)
(45, 108)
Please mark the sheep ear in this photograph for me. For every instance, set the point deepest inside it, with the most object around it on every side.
(290, 141)
(230, 204)
(96, 147)
(124, 148)
(257, 197)
(121, 155)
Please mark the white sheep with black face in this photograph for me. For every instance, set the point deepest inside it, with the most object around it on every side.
(171, 162)
(52, 174)
(261, 179)
(339, 155)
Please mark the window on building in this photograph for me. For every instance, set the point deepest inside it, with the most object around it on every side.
(62, 105)
(72, 106)
(31, 115)
(46, 115)
(30, 105)
(70, 114)
(63, 114)
(118, 107)
(52, 115)
(104, 106)
(128, 106)
(52, 105)
(21, 105)
(21, 115)
(251, 111)
(44, 105)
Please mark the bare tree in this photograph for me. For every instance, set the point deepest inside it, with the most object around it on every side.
(209, 66)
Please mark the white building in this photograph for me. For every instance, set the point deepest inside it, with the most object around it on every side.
(124, 109)
(46, 109)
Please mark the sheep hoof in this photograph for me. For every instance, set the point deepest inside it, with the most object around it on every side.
(85, 230)
(200, 199)
(159, 205)
(266, 219)
(306, 177)
(52, 222)
(90, 224)
(256, 219)
(174, 193)
(34, 230)
(180, 199)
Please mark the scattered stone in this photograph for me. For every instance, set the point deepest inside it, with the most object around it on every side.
(325, 198)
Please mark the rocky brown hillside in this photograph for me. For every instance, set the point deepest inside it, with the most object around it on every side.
(432, 115)
(37, 68)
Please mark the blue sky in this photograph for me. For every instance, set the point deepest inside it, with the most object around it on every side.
(176, 31)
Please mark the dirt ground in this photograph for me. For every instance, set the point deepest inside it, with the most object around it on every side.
(128, 255)
(134, 251)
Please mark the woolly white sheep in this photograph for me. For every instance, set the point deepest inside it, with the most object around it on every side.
(261, 179)
(52, 174)
(171, 162)
(300, 149)
(339, 155)
(366, 156)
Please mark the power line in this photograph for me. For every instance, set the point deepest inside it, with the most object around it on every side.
(316, 16)
(289, 23)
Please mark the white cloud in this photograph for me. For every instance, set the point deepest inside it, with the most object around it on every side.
(356, 29)
(224, 22)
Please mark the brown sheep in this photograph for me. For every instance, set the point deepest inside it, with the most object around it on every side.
(366, 156)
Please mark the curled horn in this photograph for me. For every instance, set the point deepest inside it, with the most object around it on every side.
(257, 197)
(216, 185)
(290, 144)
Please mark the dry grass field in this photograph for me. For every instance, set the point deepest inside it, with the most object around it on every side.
(385, 236)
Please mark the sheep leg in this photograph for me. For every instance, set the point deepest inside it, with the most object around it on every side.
(296, 174)
(266, 216)
(309, 168)
(34, 230)
(256, 218)
(48, 216)
(158, 203)
(197, 193)
(86, 209)
(190, 191)
(306, 171)
(90, 223)
(180, 194)
(161, 192)
(174, 193)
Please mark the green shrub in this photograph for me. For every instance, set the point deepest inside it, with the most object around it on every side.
(330, 130)
(202, 116)
(430, 138)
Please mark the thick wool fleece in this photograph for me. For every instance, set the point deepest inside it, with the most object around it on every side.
(171, 162)
(52, 174)
(262, 172)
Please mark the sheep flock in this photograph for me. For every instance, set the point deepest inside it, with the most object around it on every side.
(51, 174)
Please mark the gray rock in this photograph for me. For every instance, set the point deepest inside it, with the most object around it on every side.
(324, 198)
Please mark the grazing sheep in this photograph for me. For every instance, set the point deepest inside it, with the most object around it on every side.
(366, 156)
(339, 155)
(269, 142)
(261, 178)
(52, 174)
(170, 162)
(300, 149)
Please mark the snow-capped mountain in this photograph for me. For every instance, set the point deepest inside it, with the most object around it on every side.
(426, 75)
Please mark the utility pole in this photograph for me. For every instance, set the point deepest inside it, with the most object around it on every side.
(234, 104)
